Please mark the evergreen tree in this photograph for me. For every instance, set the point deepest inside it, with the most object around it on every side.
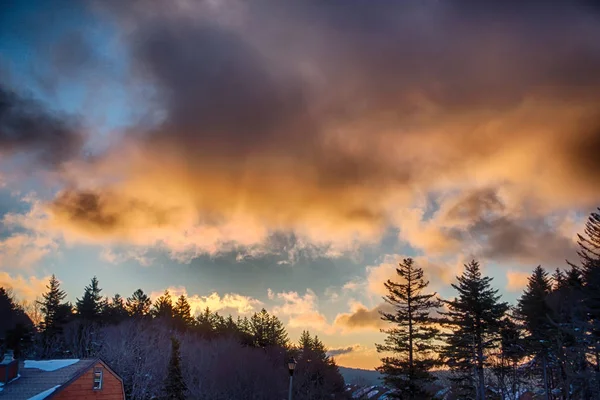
(558, 278)
(116, 310)
(589, 253)
(475, 319)
(316, 376)
(138, 305)
(175, 387)
(163, 306)
(267, 330)
(226, 326)
(16, 328)
(512, 352)
(536, 315)
(182, 312)
(90, 306)
(411, 339)
(569, 336)
(205, 323)
(54, 311)
(244, 331)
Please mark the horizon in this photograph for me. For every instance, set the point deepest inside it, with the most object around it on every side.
(288, 155)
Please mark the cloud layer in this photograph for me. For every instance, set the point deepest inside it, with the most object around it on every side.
(259, 125)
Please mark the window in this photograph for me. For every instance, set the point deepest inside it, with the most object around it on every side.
(97, 378)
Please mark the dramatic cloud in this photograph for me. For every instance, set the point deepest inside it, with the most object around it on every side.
(302, 311)
(25, 238)
(27, 127)
(491, 223)
(329, 131)
(229, 302)
(25, 288)
(362, 318)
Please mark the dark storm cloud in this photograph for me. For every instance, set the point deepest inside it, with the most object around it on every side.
(342, 350)
(280, 108)
(27, 127)
(236, 89)
(363, 318)
(504, 236)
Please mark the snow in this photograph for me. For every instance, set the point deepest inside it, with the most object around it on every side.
(44, 394)
(49, 365)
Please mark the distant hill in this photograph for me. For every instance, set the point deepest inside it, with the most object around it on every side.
(369, 377)
(360, 377)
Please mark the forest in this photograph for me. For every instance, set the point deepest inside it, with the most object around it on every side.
(161, 351)
(547, 344)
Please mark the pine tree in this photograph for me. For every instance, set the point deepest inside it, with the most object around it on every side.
(536, 315)
(244, 331)
(205, 323)
(317, 376)
(116, 310)
(267, 330)
(182, 312)
(589, 253)
(163, 306)
(175, 387)
(512, 352)
(16, 327)
(138, 305)
(568, 320)
(52, 308)
(558, 278)
(90, 306)
(475, 319)
(411, 339)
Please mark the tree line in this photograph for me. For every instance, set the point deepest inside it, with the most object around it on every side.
(162, 351)
(547, 344)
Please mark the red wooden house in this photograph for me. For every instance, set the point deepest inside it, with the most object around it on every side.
(88, 379)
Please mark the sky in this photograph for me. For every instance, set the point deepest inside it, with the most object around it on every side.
(286, 154)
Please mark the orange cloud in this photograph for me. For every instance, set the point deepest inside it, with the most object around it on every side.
(215, 302)
(516, 280)
(29, 241)
(278, 141)
(302, 311)
(25, 288)
(362, 318)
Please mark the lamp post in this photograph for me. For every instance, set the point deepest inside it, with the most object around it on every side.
(291, 367)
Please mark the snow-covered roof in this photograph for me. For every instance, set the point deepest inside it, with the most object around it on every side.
(44, 394)
(49, 365)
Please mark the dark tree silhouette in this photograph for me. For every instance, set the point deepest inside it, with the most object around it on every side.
(138, 305)
(535, 313)
(163, 307)
(182, 312)
(175, 387)
(475, 319)
(92, 304)
(16, 328)
(411, 338)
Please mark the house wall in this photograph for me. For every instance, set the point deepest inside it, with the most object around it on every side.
(9, 371)
(82, 388)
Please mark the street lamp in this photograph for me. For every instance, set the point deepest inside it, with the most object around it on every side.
(291, 367)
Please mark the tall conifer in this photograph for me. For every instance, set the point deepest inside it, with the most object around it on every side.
(410, 340)
(475, 319)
